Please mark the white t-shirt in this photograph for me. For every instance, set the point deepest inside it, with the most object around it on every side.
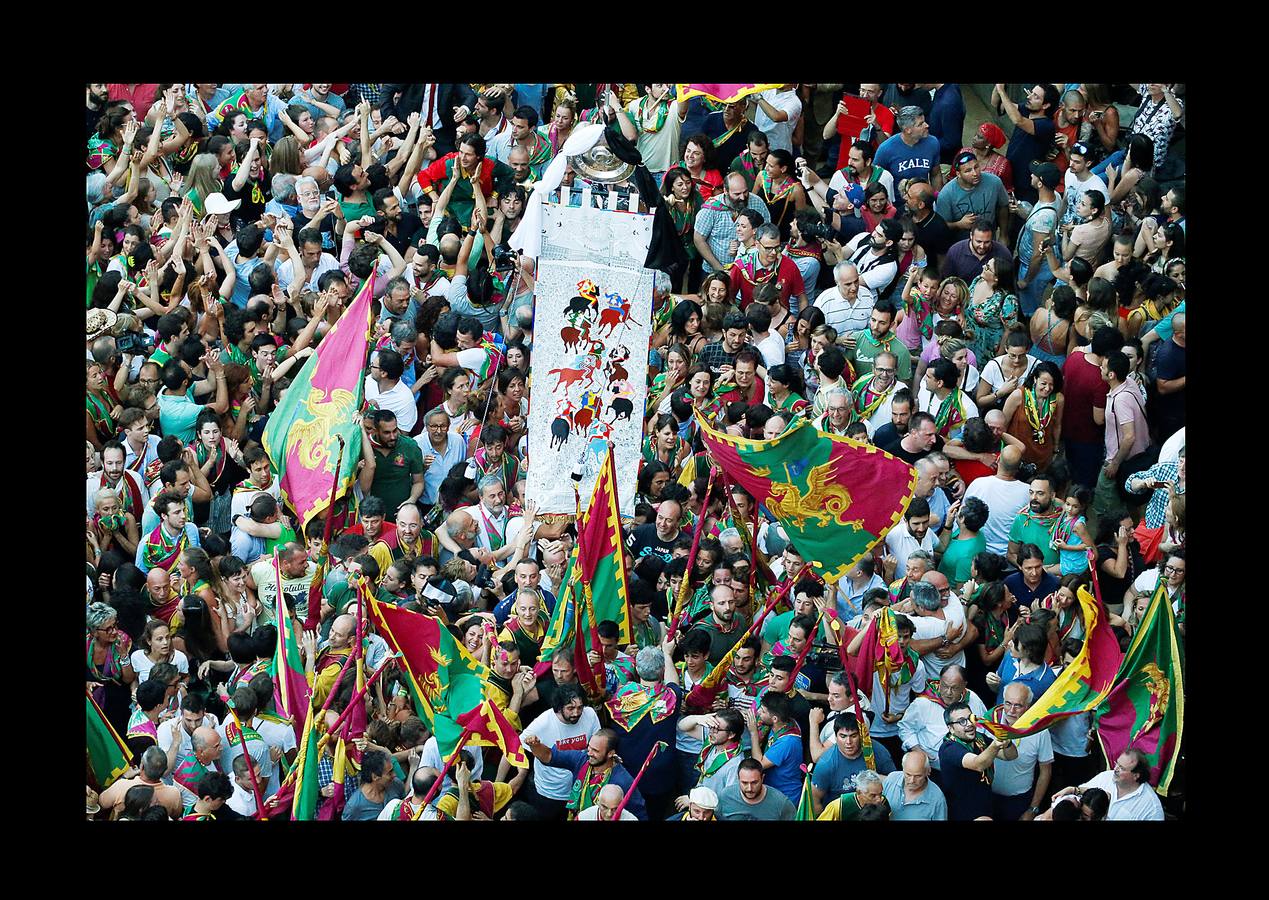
(772, 349)
(398, 399)
(659, 149)
(591, 814)
(874, 276)
(927, 627)
(1003, 499)
(1075, 191)
(552, 783)
(779, 134)
(240, 501)
(1013, 777)
(431, 756)
(243, 801)
(142, 665)
(994, 375)
(276, 734)
(286, 271)
(927, 402)
(839, 183)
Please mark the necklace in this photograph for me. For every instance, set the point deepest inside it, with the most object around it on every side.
(1038, 416)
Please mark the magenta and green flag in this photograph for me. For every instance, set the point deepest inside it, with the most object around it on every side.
(1146, 709)
(323, 401)
(444, 680)
(723, 93)
(596, 573)
(1080, 687)
(108, 755)
(835, 497)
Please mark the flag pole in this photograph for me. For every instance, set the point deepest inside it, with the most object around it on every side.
(319, 579)
(440, 779)
(656, 748)
(685, 585)
(251, 766)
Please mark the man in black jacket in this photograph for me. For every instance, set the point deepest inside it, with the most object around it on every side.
(441, 105)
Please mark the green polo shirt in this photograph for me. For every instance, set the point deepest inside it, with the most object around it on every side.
(1026, 529)
(394, 471)
(959, 557)
(866, 350)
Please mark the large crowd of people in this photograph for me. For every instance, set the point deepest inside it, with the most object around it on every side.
(1001, 305)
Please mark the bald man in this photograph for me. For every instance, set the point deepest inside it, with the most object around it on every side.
(413, 540)
(910, 792)
(205, 749)
(459, 533)
(1004, 495)
(605, 806)
(343, 634)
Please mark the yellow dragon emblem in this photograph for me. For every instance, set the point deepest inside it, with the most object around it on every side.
(1160, 691)
(308, 438)
(825, 502)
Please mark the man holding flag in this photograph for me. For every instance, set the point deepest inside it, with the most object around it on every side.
(1020, 787)
(593, 769)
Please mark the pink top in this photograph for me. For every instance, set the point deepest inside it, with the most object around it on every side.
(931, 353)
(1123, 405)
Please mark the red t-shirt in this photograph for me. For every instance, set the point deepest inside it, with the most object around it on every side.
(1083, 390)
(971, 470)
(788, 274)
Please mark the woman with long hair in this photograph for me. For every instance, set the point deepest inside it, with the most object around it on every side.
(700, 393)
(1033, 413)
(287, 157)
(1161, 246)
(205, 634)
(113, 140)
(990, 615)
(992, 307)
(1003, 374)
(684, 328)
(510, 406)
(786, 387)
(202, 181)
(1138, 163)
(155, 647)
(678, 360)
(664, 445)
(683, 203)
(798, 344)
(957, 350)
(1051, 325)
(783, 194)
(653, 478)
(242, 609)
(1101, 113)
(220, 460)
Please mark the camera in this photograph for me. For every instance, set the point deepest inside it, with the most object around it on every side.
(817, 231)
(504, 258)
(131, 342)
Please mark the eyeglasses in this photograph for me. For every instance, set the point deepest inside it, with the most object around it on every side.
(1174, 570)
(962, 721)
(881, 370)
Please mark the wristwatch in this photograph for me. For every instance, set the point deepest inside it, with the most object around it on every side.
(1035, 810)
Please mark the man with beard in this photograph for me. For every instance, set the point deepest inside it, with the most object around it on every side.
(973, 196)
(968, 764)
(867, 344)
(118, 479)
(399, 228)
(568, 725)
(589, 771)
(714, 232)
(490, 516)
(297, 575)
(877, 399)
(965, 259)
(95, 100)
(724, 626)
(523, 135)
(1035, 522)
(393, 469)
(922, 726)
